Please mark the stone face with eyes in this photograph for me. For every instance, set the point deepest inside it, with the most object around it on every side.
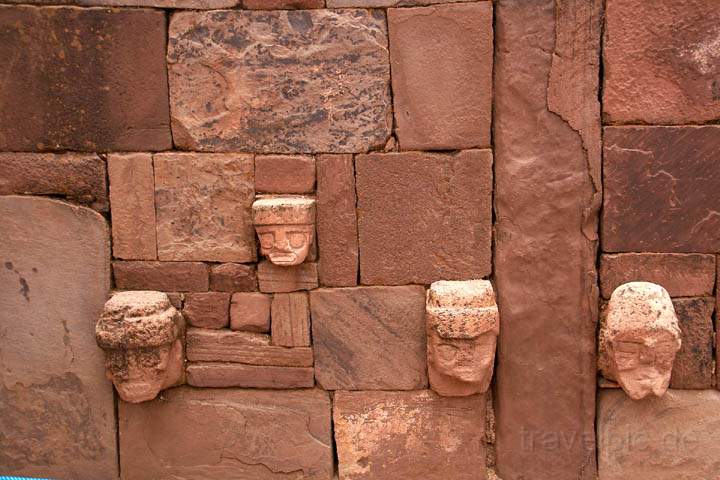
(285, 227)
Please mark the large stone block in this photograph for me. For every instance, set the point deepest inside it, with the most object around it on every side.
(409, 435)
(693, 366)
(229, 434)
(658, 196)
(383, 3)
(280, 81)
(442, 61)
(163, 276)
(83, 79)
(547, 194)
(424, 217)
(192, 4)
(662, 62)
(203, 204)
(369, 338)
(56, 406)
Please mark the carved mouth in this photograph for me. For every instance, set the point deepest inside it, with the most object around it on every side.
(283, 258)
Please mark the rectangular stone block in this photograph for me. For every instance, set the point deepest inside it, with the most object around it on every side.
(424, 217)
(132, 196)
(83, 79)
(282, 4)
(163, 276)
(672, 437)
(250, 311)
(227, 434)
(547, 193)
(207, 309)
(682, 275)
(203, 204)
(274, 278)
(284, 174)
(658, 196)
(248, 376)
(336, 222)
(442, 62)
(290, 320)
(409, 435)
(383, 3)
(80, 178)
(242, 347)
(191, 4)
(369, 338)
(233, 277)
(693, 366)
(282, 81)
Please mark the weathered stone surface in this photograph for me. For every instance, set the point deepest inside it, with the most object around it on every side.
(132, 196)
(291, 320)
(424, 217)
(280, 82)
(273, 278)
(228, 434)
(336, 221)
(243, 347)
(682, 275)
(233, 277)
(693, 367)
(248, 376)
(384, 3)
(83, 79)
(176, 299)
(672, 437)
(662, 61)
(284, 173)
(203, 204)
(80, 178)
(250, 312)
(658, 195)
(369, 338)
(282, 4)
(442, 61)
(193, 4)
(207, 309)
(56, 407)
(547, 174)
(383, 435)
(163, 276)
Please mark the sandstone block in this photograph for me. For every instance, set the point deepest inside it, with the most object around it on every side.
(290, 320)
(424, 217)
(383, 3)
(382, 435)
(250, 312)
(228, 434)
(249, 376)
(233, 277)
(191, 4)
(207, 309)
(284, 174)
(163, 276)
(282, 4)
(274, 278)
(693, 367)
(108, 87)
(369, 338)
(442, 62)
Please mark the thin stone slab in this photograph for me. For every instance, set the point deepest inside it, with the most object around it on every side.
(223, 375)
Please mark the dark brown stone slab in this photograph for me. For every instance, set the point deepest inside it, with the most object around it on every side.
(693, 366)
(547, 194)
(248, 376)
(233, 277)
(660, 189)
(163, 276)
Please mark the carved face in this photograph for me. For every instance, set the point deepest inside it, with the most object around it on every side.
(285, 244)
(461, 365)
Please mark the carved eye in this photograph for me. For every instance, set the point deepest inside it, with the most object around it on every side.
(267, 240)
(297, 239)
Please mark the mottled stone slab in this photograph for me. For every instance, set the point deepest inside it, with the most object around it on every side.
(228, 434)
(662, 62)
(224, 375)
(83, 79)
(233, 277)
(693, 366)
(284, 173)
(282, 4)
(250, 311)
(424, 217)
(660, 189)
(207, 309)
(280, 81)
(291, 320)
(384, 3)
(274, 278)
(547, 193)
(192, 4)
(56, 406)
(369, 338)
(203, 204)
(393, 435)
(162, 276)
(673, 437)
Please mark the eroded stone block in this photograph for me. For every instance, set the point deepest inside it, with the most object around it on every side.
(693, 365)
(233, 277)
(285, 227)
(250, 312)
(207, 309)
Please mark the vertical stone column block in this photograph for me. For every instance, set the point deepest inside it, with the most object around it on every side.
(290, 323)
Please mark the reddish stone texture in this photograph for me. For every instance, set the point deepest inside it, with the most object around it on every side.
(547, 194)
(282, 4)
(132, 196)
(424, 217)
(369, 338)
(233, 277)
(83, 79)
(284, 174)
(207, 309)
(292, 82)
(409, 435)
(203, 204)
(193, 4)
(223, 375)
(442, 62)
(176, 299)
(693, 367)
(274, 278)
(163, 276)
(78, 177)
(291, 320)
(250, 312)
(227, 434)
(662, 61)
(383, 3)
(336, 222)
(682, 275)
(660, 189)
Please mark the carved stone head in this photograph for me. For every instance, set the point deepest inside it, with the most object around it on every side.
(141, 333)
(639, 338)
(462, 327)
(285, 227)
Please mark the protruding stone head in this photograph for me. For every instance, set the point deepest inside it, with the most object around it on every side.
(286, 227)
(639, 338)
(462, 326)
(141, 333)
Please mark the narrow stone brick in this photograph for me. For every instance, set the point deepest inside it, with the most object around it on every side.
(383, 3)
(250, 312)
(233, 277)
(224, 375)
(190, 4)
(284, 174)
(274, 278)
(282, 4)
(162, 276)
(693, 366)
(207, 309)
(290, 320)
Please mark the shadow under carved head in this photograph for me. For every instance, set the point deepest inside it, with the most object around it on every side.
(285, 227)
